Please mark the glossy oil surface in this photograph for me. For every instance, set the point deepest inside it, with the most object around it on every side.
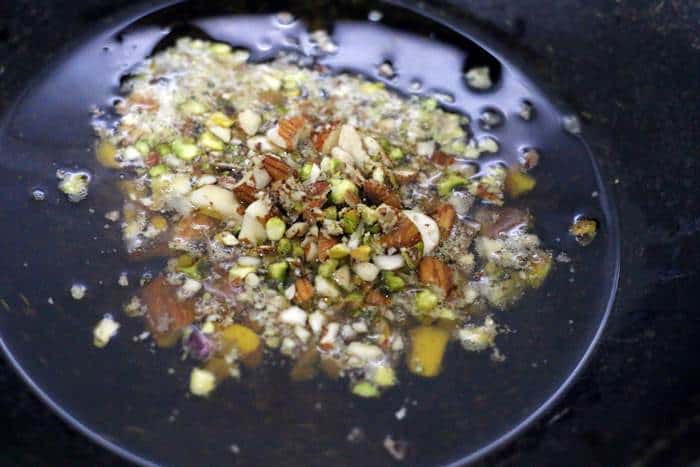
(126, 393)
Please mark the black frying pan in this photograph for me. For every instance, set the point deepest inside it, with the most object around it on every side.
(134, 401)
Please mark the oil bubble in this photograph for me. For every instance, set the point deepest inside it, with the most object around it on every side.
(375, 15)
(490, 118)
(284, 18)
(572, 124)
(38, 194)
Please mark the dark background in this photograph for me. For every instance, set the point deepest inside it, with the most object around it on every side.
(632, 69)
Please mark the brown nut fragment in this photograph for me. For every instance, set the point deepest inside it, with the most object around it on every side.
(245, 193)
(320, 188)
(434, 272)
(376, 298)
(277, 168)
(165, 314)
(378, 193)
(406, 176)
(324, 244)
(303, 290)
(404, 234)
(325, 139)
(508, 218)
(445, 216)
(442, 159)
(291, 130)
(312, 212)
(194, 227)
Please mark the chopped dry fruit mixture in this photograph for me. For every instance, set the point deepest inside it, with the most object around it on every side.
(315, 215)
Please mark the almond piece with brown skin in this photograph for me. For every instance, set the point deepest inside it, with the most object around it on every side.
(277, 168)
(404, 234)
(442, 159)
(324, 244)
(291, 131)
(445, 216)
(327, 138)
(320, 188)
(378, 193)
(375, 298)
(406, 176)
(304, 290)
(432, 271)
(245, 193)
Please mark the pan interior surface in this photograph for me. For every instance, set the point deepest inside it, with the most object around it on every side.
(135, 400)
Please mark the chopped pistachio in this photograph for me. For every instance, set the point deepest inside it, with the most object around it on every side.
(393, 282)
(305, 171)
(396, 154)
(361, 253)
(158, 170)
(330, 166)
(219, 119)
(284, 247)
(340, 187)
(327, 268)
(164, 149)
(369, 215)
(185, 151)
(219, 48)
(193, 107)
(349, 221)
(331, 212)
(142, 147)
(191, 270)
(429, 104)
(275, 228)
(449, 183)
(209, 141)
(426, 300)
(339, 251)
(384, 376)
(278, 271)
(297, 249)
(354, 300)
(365, 389)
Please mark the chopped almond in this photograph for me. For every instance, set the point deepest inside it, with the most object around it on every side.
(433, 271)
(165, 315)
(445, 216)
(378, 193)
(404, 234)
(278, 169)
(304, 290)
